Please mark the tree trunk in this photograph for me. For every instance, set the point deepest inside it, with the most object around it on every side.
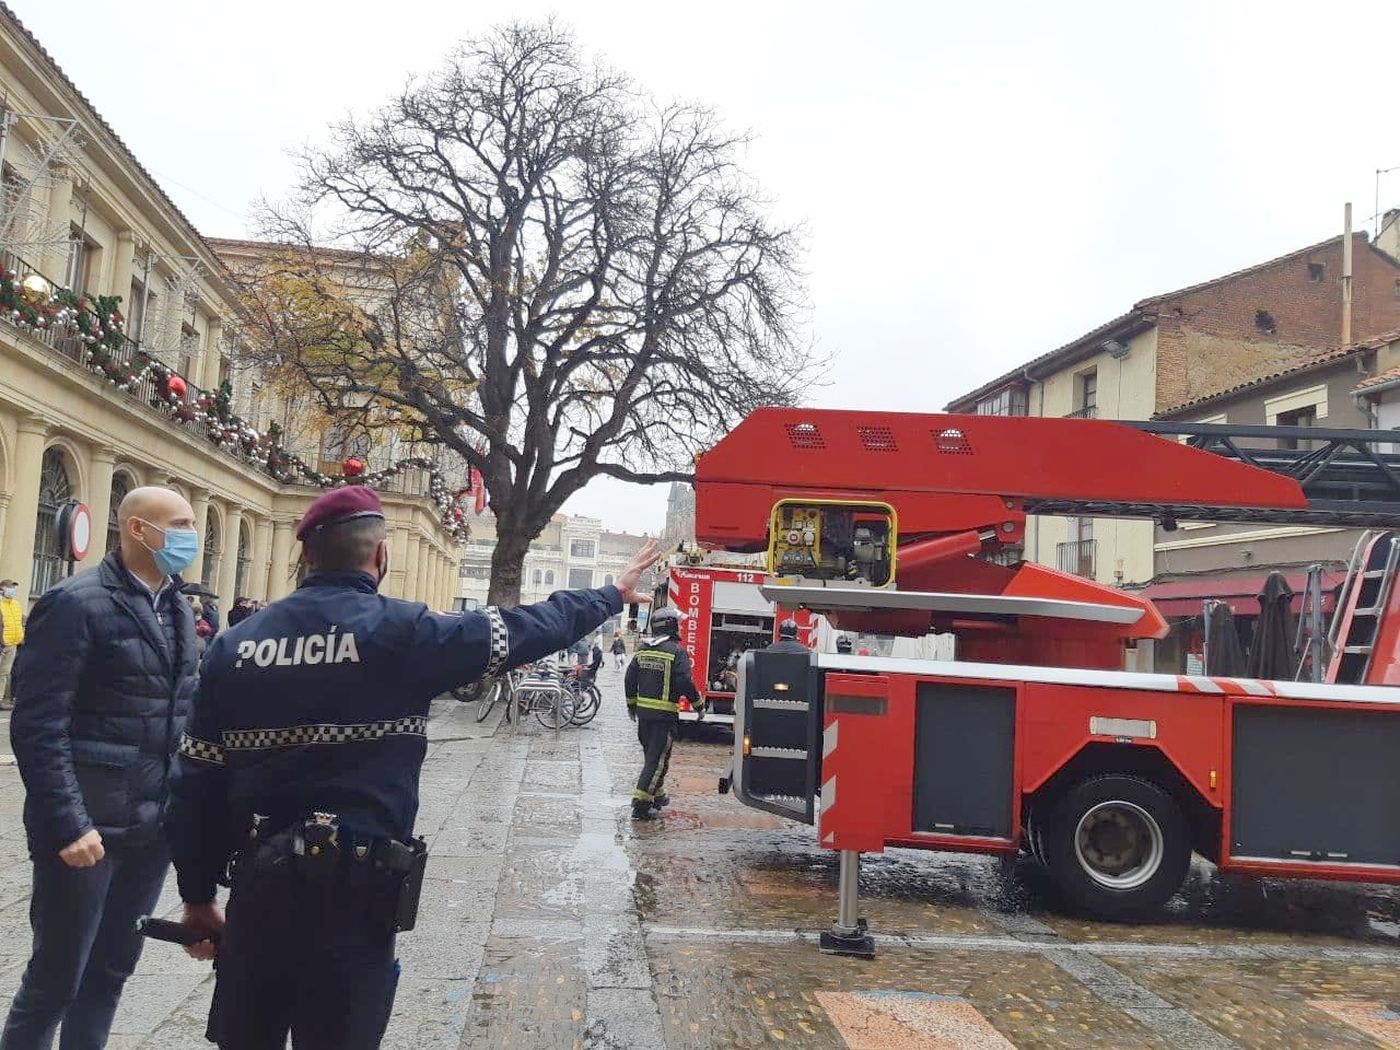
(507, 565)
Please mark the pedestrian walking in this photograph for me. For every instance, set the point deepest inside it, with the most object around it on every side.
(299, 777)
(102, 686)
(11, 636)
(619, 650)
(658, 676)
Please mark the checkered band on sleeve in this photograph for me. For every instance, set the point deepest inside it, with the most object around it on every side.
(500, 641)
(323, 733)
(201, 750)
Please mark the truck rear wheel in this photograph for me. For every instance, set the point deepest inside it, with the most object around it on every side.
(1116, 846)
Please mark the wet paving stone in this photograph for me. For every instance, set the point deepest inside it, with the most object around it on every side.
(1276, 1004)
(751, 996)
(528, 994)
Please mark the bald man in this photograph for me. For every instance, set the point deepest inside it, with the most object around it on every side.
(102, 687)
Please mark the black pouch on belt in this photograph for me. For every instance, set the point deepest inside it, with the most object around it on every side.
(402, 866)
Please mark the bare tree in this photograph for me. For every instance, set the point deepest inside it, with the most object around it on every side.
(570, 280)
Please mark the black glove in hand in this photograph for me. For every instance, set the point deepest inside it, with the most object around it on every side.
(632, 712)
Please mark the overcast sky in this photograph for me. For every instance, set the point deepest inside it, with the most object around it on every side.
(979, 182)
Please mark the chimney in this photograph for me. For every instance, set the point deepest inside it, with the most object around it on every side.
(1346, 275)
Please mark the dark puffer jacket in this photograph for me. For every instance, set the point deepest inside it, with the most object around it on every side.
(100, 703)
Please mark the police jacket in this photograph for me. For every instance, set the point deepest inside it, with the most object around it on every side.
(320, 703)
(101, 696)
(658, 676)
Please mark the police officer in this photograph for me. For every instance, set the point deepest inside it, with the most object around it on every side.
(299, 778)
(657, 677)
(787, 639)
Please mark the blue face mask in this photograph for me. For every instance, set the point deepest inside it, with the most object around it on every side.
(9, 592)
(181, 545)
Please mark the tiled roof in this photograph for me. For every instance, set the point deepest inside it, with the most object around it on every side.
(1390, 377)
(1122, 323)
(233, 244)
(1260, 267)
(8, 13)
(1299, 367)
(1144, 312)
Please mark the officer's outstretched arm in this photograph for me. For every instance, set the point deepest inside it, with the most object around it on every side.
(197, 823)
(448, 651)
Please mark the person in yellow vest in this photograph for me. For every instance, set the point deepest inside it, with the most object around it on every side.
(11, 635)
(656, 679)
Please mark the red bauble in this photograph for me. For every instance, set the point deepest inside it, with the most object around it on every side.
(353, 467)
(177, 386)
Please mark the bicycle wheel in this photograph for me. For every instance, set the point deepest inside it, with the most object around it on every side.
(490, 694)
(586, 704)
(554, 710)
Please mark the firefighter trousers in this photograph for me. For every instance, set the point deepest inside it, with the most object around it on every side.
(656, 730)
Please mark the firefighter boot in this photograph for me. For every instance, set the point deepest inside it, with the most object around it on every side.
(643, 811)
(660, 802)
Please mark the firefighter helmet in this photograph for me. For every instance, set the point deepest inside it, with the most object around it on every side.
(843, 644)
(666, 621)
(787, 630)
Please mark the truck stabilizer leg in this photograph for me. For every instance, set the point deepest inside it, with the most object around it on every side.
(849, 934)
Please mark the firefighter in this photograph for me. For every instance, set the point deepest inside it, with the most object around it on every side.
(787, 639)
(299, 777)
(656, 679)
(843, 645)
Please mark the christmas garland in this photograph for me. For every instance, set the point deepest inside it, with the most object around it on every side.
(31, 304)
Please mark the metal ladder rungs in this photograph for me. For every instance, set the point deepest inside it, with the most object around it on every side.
(1358, 650)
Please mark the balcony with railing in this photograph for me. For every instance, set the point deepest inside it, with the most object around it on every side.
(147, 389)
(1076, 556)
(1084, 412)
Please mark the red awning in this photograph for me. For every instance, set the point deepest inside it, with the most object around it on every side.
(1186, 597)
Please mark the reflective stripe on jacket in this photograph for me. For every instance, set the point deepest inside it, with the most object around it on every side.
(658, 676)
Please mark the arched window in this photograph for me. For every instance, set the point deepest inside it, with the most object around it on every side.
(121, 485)
(245, 559)
(212, 549)
(538, 577)
(549, 578)
(50, 553)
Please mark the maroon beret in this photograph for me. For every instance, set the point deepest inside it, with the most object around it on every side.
(337, 505)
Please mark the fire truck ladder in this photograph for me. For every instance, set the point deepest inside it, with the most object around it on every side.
(1350, 477)
(1356, 626)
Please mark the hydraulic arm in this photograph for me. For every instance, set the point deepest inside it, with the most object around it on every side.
(850, 504)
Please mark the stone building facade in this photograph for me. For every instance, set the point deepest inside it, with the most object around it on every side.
(80, 210)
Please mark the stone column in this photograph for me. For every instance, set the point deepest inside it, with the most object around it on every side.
(199, 500)
(17, 555)
(228, 571)
(4, 513)
(410, 578)
(59, 222)
(99, 503)
(262, 557)
(213, 355)
(425, 572)
(279, 572)
(398, 559)
(123, 266)
(444, 590)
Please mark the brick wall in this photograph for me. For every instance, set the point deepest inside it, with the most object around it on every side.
(1244, 327)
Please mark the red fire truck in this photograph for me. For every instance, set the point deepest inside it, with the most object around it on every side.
(726, 616)
(1036, 738)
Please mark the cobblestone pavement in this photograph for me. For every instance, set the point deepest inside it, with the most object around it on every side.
(549, 920)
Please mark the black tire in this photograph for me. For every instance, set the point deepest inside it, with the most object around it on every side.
(1116, 846)
(487, 700)
(587, 701)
